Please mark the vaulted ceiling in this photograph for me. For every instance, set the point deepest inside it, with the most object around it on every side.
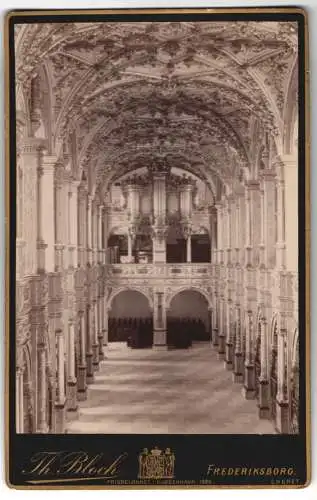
(207, 96)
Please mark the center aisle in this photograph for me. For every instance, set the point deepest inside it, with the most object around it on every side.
(145, 391)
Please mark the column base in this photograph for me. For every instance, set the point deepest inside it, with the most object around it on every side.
(59, 418)
(90, 371)
(159, 338)
(95, 357)
(229, 356)
(248, 389)
(264, 407)
(43, 429)
(105, 337)
(71, 400)
(101, 353)
(81, 383)
(215, 339)
(160, 347)
(282, 423)
(221, 347)
(237, 375)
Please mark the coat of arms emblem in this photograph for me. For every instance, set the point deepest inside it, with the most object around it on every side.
(156, 464)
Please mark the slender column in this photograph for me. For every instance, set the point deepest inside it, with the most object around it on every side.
(60, 400)
(105, 329)
(73, 225)
(249, 371)
(19, 402)
(291, 211)
(159, 334)
(222, 336)
(248, 243)
(100, 242)
(214, 326)
(238, 356)
(59, 219)
(189, 248)
(42, 417)
(82, 226)
(264, 409)
(129, 247)
(72, 381)
(82, 368)
(46, 236)
(95, 344)
(280, 245)
(159, 211)
(282, 402)
(229, 230)
(101, 328)
(229, 343)
(219, 208)
(269, 182)
(89, 229)
(262, 232)
(89, 353)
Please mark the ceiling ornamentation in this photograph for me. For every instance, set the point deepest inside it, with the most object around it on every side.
(128, 93)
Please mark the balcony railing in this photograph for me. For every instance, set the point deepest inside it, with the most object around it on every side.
(159, 270)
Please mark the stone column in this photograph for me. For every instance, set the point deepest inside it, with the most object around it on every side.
(189, 248)
(82, 367)
(100, 242)
(101, 328)
(89, 353)
(221, 336)
(269, 181)
(291, 211)
(72, 225)
(19, 402)
(72, 381)
(95, 342)
(82, 227)
(46, 236)
(105, 328)
(42, 426)
(282, 402)
(249, 370)
(262, 233)
(159, 211)
(264, 407)
(248, 234)
(59, 218)
(219, 207)
(238, 356)
(159, 320)
(280, 245)
(129, 247)
(214, 326)
(59, 412)
(89, 229)
(229, 343)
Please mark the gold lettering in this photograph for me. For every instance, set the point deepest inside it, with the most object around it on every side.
(43, 461)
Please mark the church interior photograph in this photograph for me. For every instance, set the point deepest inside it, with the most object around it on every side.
(156, 227)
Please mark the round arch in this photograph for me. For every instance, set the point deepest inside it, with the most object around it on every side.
(189, 289)
(129, 289)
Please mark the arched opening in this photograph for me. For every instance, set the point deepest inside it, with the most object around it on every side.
(294, 389)
(273, 371)
(187, 319)
(200, 247)
(130, 319)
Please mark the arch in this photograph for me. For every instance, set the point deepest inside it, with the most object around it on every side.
(189, 288)
(273, 372)
(132, 289)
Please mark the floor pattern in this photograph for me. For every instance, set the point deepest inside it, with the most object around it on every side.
(145, 391)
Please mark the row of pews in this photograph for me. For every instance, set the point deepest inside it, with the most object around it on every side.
(138, 332)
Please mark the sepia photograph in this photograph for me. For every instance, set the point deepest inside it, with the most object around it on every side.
(156, 226)
(156, 237)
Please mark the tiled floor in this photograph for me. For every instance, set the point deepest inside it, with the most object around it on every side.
(177, 392)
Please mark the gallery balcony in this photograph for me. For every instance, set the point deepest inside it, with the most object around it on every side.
(161, 271)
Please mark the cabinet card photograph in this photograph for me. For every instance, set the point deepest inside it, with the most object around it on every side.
(158, 265)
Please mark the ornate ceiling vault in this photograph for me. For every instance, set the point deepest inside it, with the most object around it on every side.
(211, 97)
